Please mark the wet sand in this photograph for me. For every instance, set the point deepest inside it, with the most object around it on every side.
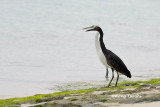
(126, 95)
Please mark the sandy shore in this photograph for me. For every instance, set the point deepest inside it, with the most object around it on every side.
(127, 94)
(151, 104)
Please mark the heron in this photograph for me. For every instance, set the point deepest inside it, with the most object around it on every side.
(100, 54)
(114, 62)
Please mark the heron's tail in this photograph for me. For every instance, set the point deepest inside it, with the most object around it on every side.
(128, 74)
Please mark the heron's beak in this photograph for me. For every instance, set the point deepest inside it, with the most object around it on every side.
(88, 28)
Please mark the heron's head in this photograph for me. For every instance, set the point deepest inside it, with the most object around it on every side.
(92, 28)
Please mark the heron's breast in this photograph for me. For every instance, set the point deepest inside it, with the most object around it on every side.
(103, 59)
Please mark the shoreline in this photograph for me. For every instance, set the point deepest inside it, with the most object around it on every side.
(125, 94)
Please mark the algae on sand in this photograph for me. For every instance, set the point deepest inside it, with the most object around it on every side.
(82, 95)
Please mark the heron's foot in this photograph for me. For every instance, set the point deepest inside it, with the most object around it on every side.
(116, 85)
(105, 86)
(108, 85)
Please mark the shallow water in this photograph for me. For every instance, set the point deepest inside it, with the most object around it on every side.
(42, 45)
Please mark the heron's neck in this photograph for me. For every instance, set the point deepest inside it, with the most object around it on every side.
(101, 41)
(97, 43)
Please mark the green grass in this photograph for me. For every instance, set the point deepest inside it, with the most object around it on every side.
(48, 97)
(39, 98)
(152, 82)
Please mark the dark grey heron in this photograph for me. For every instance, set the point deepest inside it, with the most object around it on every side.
(111, 58)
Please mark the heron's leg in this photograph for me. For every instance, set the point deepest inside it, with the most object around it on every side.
(112, 77)
(107, 73)
(117, 79)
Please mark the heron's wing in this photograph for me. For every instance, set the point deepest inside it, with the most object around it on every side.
(116, 63)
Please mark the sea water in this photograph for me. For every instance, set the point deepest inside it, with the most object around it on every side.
(43, 48)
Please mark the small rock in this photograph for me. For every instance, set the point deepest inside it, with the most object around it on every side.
(125, 84)
(152, 87)
(146, 85)
(75, 94)
(74, 99)
(99, 92)
(67, 98)
(134, 84)
(102, 100)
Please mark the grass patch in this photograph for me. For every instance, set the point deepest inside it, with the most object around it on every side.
(39, 98)
(137, 83)
(153, 81)
(130, 83)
